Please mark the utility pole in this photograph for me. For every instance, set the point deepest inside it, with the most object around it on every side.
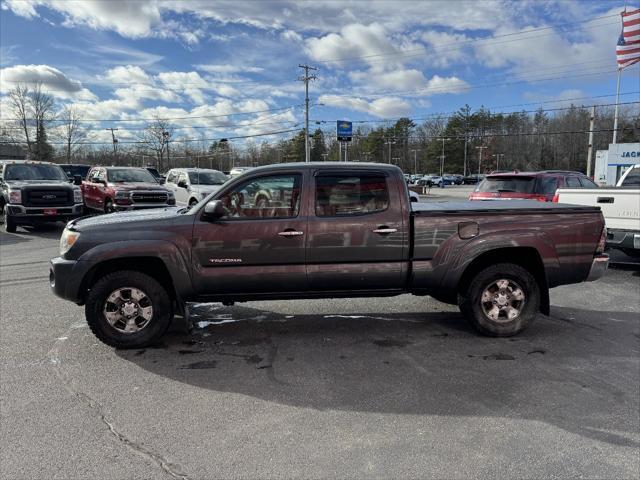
(114, 139)
(481, 147)
(590, 150)
(442, 157)
(415, 162)
(389, 142)
(306, 78)
(165, 136)
(498, 155)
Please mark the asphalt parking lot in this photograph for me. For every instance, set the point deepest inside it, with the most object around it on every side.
(385, 388)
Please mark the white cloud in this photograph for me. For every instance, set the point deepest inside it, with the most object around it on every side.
(227, 68)
(385, 107)
(127, 74)
(21, 8)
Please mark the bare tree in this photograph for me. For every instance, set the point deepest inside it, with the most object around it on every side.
(71, 129)
(156, 138)
(20, 106)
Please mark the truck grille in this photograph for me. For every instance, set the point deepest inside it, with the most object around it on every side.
(150, 197)
(48, 197)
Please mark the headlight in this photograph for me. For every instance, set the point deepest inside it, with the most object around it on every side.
(15, 196)
(77, 195)
(122, 194)
(68, 240)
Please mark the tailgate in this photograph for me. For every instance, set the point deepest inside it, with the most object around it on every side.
(620, 206)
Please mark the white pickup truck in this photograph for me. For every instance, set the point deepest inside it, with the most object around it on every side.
(620, 206)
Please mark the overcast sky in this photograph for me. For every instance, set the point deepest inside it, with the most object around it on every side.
(196, 61)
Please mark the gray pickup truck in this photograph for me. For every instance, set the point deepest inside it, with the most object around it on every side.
(330, 230)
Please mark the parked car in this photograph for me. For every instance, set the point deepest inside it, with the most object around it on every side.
(347, 230)
(110, 189)
(448, 179)
(620, 206)
(75, 170)
(431, 180)
(539, 186)
(472, 179)
(236, 171)
(190, 185)
(36, 192)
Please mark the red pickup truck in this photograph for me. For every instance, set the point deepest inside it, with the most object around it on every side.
(109, 189)
(328, 230)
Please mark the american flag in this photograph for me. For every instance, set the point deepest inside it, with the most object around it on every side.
(628, 49)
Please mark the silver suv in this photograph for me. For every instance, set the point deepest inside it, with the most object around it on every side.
(190, 185)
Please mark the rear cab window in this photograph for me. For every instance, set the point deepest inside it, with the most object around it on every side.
(514, 184)
(547, 185)
(350, 194)
(572, 182)
(632, 179)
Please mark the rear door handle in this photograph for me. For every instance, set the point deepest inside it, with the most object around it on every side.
(385, 230)
(605, 200)
(291, 233)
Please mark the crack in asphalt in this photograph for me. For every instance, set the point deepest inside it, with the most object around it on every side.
(170, 469)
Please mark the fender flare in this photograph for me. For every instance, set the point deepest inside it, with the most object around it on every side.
(169, 253)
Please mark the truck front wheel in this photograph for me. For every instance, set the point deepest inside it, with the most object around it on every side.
(9, 223)
(128, 309)
(501, 300)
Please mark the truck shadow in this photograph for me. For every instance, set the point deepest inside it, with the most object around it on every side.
(26, 234)
(575, 370)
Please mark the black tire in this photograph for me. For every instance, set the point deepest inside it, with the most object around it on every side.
(631, 252)
(151, 333)
(108, 206)
(9, 224)
(471, 304)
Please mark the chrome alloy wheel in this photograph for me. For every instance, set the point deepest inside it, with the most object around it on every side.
(128, 310)
(503, 300)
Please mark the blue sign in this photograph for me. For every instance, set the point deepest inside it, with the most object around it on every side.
(344, 130)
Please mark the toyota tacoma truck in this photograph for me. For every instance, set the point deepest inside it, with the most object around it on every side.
(337, 230)
(32, 193)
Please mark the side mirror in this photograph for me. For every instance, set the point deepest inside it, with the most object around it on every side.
(77, 180)
(182, 184)
(214, 209)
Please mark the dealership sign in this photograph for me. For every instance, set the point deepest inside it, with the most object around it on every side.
(344, 130)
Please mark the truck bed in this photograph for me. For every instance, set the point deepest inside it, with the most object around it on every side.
(497, 207)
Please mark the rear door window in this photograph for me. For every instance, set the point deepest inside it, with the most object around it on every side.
(547, 185)
(350, 194)
(573, 182)
(515, 184)
(586, 183)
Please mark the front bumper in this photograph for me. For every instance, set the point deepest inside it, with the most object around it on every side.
(623, 239)
(140, 206)
(27, 215)
(599, 266)
(65, 277)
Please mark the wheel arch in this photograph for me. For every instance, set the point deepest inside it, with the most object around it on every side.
(525, 256)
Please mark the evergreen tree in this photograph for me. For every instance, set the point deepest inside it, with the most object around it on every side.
(318, 146)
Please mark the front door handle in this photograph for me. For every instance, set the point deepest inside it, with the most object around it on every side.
(384, 230)
(291, 233)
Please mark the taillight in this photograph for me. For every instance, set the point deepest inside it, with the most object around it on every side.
(602, 242)
(540, 198)
(556, 198)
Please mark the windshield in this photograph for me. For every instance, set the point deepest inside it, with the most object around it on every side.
(130, 175)
(207, 177)
(34, 171)
(507, 184)
(73, 170)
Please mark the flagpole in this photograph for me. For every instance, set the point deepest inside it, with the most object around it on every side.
(615, 115)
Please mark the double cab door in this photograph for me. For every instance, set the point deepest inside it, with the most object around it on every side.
(304, 231)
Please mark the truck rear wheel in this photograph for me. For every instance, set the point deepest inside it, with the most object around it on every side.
(128, 309)
(501, 300)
